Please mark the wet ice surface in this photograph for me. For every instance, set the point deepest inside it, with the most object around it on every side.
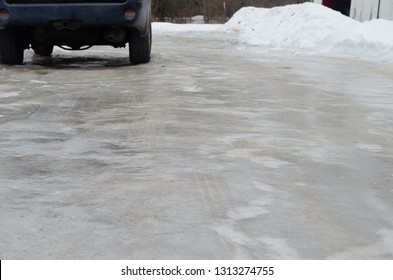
(211, 151)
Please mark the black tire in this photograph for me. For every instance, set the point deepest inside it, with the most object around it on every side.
(11, 46)
(139, 47)
(43, 50)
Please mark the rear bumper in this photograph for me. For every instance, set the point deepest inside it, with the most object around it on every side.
(91, 14)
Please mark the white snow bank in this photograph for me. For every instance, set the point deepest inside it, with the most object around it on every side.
(312, 28)
(167, 28)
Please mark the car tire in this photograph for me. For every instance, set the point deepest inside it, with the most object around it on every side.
(43, 50)
(139, 47)
(11, 46)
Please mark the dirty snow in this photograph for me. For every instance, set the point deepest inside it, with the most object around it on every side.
(307, 28)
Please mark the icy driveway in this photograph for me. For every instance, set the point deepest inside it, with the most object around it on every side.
(207, 152)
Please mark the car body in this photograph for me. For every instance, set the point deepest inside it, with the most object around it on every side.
(74, 25)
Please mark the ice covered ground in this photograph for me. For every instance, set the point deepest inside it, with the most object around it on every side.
(214, 150)
(304, 29)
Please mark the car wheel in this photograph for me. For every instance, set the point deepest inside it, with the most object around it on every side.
(139, 47)
(11, 46)
(43, 50)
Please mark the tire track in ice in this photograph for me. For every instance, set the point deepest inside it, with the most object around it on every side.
(147, 130)
(244, 244)
(214, 192)
(218, 201)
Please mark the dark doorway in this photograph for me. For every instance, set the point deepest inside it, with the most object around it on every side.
(342, 6)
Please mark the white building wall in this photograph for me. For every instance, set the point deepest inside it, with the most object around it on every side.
(368, 9)
(386, 10)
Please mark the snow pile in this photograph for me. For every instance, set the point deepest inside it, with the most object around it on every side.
(312, 28)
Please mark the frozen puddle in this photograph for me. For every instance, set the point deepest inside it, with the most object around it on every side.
(369, 147)
(9, 94)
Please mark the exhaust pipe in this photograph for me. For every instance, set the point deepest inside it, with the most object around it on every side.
(115, 35)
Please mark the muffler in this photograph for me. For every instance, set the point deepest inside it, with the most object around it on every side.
(115, 34)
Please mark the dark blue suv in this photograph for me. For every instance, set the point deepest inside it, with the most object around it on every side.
(74, 25)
